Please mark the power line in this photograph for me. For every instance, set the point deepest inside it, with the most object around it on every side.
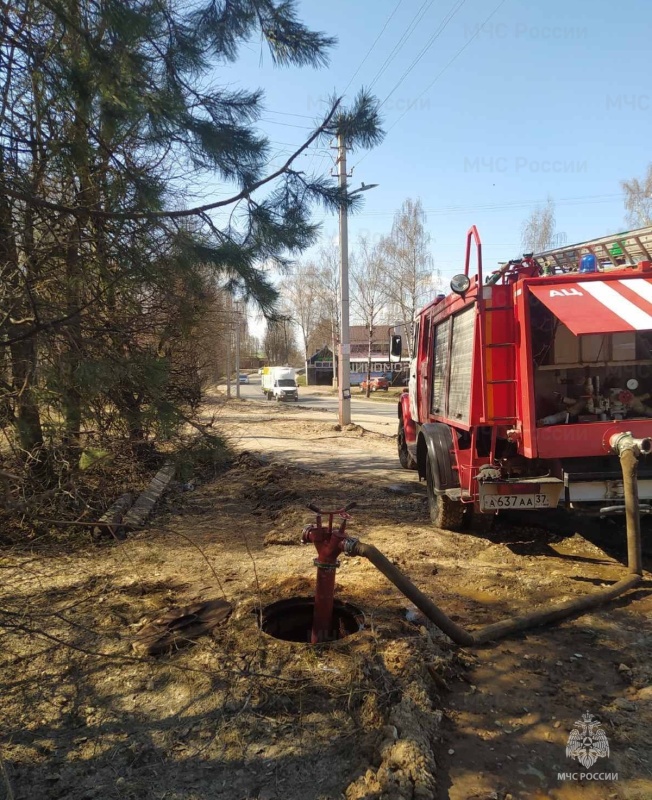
(287, 114)
(449, 210)
(288, 124)
(295, 145)
(399, 45)
(443, 25)
(454, 58)
(442, 71)
(362, 63)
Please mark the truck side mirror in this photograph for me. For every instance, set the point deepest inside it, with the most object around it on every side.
(395, 347)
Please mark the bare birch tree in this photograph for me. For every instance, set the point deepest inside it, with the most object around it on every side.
(538, 231)
(369, 296)
(329, 296)
(301, 290)
(407, 265)
(638, 199)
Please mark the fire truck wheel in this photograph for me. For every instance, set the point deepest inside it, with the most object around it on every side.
(404, 456)
(444, 512)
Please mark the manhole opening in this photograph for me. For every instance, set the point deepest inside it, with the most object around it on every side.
(291, 620)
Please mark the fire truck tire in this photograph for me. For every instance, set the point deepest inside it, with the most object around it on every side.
(404, 455)
(444, 512)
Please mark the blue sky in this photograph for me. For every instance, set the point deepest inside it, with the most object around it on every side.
(547, 99)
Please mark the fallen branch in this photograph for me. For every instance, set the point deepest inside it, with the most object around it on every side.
(64, 523)
(8, 476)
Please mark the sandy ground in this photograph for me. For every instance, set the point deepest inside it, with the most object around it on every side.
(394, 711)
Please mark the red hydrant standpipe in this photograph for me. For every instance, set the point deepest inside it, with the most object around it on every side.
(329, 544)
(627, 448)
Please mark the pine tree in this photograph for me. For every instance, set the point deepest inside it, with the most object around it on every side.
(112, 111)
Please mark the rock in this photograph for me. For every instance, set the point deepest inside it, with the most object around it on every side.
(625, 705)
(412, 614)
(390, 732)
(624, 668)
(451, 752)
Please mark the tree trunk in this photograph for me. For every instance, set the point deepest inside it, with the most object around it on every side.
(133, 415)
(27, 420)
(27, 415)
(72, 411)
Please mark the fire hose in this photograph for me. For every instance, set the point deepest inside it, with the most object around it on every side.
(624, 445)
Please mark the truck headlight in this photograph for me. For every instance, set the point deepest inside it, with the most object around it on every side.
(460, 283)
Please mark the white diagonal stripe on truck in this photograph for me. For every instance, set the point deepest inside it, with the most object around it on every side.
(639, 286)
(619, 305)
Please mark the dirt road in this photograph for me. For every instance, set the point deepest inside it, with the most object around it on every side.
(394, 711)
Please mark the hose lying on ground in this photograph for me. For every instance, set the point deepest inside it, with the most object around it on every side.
(628, 450)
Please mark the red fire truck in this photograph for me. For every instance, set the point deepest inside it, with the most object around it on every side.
(519, 382)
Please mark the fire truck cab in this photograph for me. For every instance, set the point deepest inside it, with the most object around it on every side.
(519, 383)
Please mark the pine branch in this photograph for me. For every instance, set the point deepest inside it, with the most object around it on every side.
(178, 213)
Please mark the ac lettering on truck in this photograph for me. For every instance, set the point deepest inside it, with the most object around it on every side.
(565, 293)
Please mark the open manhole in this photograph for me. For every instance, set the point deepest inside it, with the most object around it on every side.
(291, 619)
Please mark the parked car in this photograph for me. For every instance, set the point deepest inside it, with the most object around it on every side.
(242, 378)
(375, 384)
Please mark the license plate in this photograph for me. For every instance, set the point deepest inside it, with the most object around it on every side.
(494, 502)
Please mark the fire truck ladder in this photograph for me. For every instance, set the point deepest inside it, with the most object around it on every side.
(611, 252)
(497, 371)
(499, 354)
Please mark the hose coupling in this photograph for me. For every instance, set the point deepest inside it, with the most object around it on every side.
(307, 532)
(350, 544)
(620, 442)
